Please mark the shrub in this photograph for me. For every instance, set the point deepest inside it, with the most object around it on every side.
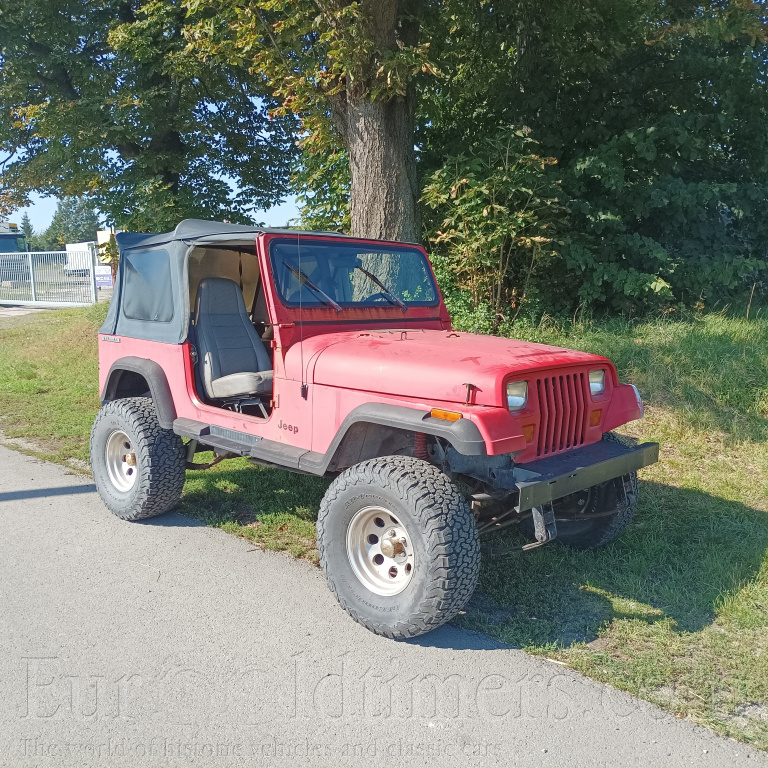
(494, 237)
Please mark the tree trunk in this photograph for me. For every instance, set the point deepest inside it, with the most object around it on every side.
(384, 193)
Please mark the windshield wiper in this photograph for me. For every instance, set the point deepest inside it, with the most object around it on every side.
(386, 292)
(304, 280)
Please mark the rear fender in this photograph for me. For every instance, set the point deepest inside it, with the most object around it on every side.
(133, 377)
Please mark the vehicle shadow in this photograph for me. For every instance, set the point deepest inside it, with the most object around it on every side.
(236, 492)
(272, 508)
(684, 553)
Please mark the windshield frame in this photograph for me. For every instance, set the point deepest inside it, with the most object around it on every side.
(356, 306)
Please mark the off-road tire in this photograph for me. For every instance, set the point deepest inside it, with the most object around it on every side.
(441, 529)
(160, 459)
(599, 531)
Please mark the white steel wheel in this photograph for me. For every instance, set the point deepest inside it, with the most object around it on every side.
(120, 460)
(398, 544)
(138, 466)
(380, 551)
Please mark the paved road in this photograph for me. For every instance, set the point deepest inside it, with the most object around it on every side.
(171, 644)
(17, 310)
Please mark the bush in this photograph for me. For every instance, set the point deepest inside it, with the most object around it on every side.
(514, 233)
(647, 224)
(494, 235)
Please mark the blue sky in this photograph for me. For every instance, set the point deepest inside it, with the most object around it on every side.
(42, 209)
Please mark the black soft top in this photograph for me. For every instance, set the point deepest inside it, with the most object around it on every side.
(151, 296)
(190, 230)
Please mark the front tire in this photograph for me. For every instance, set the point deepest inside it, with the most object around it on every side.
(399, 546)
(138, 467)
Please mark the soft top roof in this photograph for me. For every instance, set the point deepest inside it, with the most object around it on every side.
(197, 229)
(151, 296)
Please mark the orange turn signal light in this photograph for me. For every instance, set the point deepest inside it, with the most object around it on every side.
(439, 413)
(528, 432)
(594, 417)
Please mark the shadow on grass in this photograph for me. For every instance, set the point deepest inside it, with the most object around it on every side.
(684, 553)
(222, 494)
(274, 508)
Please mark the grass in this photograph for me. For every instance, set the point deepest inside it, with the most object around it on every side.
(272, 508)
(49, 381)
(676, 611)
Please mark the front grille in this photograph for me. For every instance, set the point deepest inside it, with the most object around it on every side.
(563, 412)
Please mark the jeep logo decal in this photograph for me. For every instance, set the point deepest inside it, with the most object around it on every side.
(289, 427)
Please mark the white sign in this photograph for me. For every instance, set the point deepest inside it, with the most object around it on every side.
(103, 275)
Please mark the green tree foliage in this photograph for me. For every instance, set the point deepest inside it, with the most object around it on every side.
(495, 208)
(75, 221)
(348, 70)
(657, 115)
(26, 227)
(101, 97)
(655, 111)
(322, 181)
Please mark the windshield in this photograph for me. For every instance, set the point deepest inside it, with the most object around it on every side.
(340, 274)
(12, 244)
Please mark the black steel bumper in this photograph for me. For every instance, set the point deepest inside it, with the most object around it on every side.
(545, 480)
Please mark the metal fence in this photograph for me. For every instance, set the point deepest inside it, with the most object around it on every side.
(48, 279)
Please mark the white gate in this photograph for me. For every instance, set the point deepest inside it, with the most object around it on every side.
(48, 279)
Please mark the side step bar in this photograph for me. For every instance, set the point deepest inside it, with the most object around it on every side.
(243, 444)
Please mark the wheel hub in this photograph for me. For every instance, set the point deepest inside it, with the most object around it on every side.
(380, 551)
(393, 545)
(120, 459)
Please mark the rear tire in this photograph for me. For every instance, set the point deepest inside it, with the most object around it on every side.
(422, 567)
(138, 467)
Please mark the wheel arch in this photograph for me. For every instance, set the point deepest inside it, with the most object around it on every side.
(134, 377)
(372, 426)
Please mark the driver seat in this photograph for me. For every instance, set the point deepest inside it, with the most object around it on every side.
(236, 366)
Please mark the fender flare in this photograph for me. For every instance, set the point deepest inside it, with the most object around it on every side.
(155, 378)
(463, 434)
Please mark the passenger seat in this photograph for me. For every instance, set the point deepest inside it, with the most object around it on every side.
(235, 364)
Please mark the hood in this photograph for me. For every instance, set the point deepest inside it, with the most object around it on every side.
(434, 365)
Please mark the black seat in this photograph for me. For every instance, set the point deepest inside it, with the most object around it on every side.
(235, 364)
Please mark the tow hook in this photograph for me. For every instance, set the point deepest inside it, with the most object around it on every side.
(544, 525)
(545, 530)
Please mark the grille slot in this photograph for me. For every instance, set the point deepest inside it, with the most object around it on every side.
(562, 411)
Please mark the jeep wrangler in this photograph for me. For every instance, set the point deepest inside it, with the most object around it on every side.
(330, 355)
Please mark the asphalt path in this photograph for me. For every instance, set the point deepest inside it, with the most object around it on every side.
(167, 643)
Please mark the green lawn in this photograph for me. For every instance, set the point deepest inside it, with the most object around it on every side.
(676, 611)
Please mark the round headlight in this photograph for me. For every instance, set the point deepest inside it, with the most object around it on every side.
(597, 382)
(517, 395)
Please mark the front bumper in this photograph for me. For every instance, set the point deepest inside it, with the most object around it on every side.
(540, 482)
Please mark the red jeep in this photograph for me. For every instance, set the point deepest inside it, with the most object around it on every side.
(334, 356)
